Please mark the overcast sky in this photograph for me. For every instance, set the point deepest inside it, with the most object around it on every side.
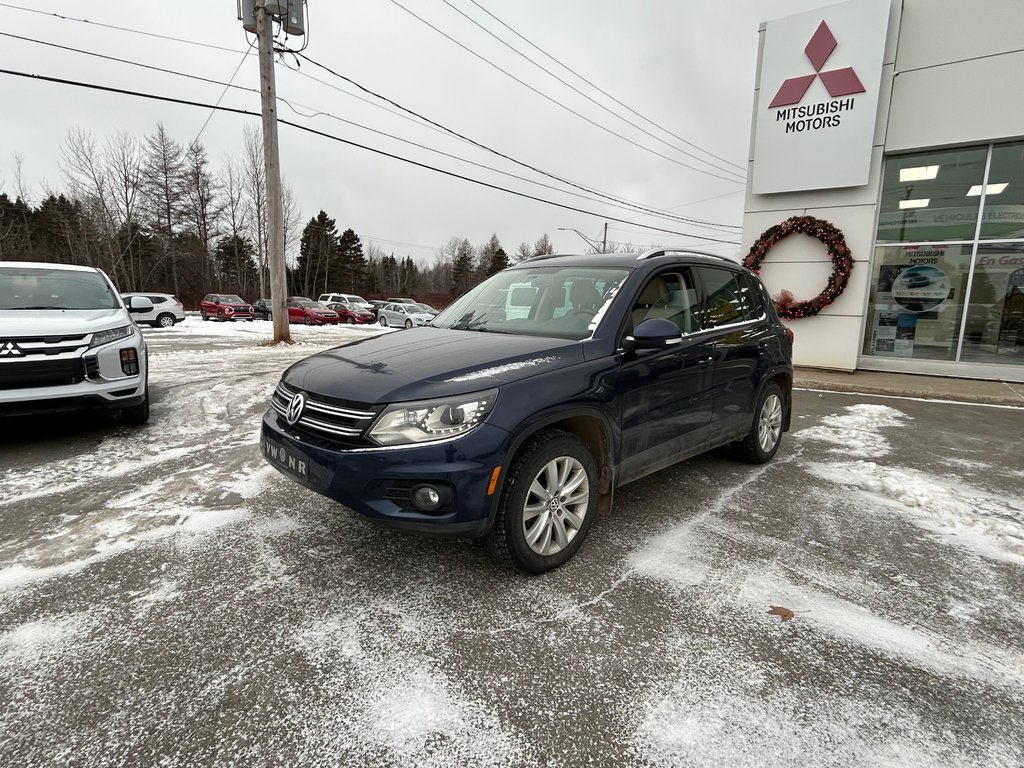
(683, 69)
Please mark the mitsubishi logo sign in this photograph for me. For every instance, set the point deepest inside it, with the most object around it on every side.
(838, 82)
(819, 83)
(10, 349)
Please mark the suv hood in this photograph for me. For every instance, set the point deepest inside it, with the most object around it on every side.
(423, 363)
(59, 322)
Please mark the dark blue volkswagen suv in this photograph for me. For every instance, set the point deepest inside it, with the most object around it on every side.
(516, 413)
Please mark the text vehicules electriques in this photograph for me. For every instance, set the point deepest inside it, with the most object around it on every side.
(517, 429)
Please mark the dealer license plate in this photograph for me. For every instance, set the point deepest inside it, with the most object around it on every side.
(287, 460)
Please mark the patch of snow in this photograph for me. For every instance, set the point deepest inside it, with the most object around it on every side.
(856, 433)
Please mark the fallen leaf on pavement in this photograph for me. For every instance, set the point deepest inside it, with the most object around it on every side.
(785, 613)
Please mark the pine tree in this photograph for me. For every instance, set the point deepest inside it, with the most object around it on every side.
(353, 263)
(319, 265)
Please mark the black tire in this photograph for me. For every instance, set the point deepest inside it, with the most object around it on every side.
(557, 461)
(270, 316)
(308, 320)
(165, 321)
(384, 322)
(408, 323)
(220, 316)
(202, 314)
(349, 321)
(765, 435)
(137, 415)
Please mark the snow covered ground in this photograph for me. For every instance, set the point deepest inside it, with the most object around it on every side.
(168, 599)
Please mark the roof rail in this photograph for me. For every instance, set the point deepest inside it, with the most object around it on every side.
(542, 256)
(654, 253)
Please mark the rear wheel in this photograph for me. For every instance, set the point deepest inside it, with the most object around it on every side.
(548, 503)
(384, 322)
(165, 321)
(765, 435)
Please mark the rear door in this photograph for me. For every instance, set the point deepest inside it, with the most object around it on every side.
(735, 322)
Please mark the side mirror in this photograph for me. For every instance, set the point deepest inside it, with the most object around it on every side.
(654, 333)
(140, 304)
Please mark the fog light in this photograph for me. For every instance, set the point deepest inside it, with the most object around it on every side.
(426, 498)
(129, 362)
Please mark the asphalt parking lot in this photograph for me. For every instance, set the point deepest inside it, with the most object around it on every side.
(168, 599)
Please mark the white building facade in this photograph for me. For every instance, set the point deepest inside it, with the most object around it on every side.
(901, 124)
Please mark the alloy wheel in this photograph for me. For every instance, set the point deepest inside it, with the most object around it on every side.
(556, 505)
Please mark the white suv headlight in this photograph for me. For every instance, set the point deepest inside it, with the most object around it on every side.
(112, 334)
(427, 420)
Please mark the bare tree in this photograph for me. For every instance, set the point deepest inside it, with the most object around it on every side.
(164, 185)
(291, 223)
(203, 202)
(523, 252)
(256, 199)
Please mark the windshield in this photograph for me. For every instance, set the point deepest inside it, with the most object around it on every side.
(564, 302)
(45, 288)
(231, 300)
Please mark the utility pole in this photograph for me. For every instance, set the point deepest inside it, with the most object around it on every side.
(604, 243)
(271, 160)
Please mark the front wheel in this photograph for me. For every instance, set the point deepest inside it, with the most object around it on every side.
(137, 414)
(270, 317)
(408, 323)
(349, 321)
(384, 322)
(308, 320)
(202, 314)
(765, 435)
(548, 503)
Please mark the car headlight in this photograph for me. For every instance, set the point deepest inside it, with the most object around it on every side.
(113, 334)
(428, 420)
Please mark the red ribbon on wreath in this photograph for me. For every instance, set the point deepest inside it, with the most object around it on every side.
(831, 237)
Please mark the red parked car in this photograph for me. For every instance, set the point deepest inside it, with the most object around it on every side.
(351, 314)
(311, 313)
(225, 306)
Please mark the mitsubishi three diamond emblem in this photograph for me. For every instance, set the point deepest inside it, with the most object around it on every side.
(838, 82)
(10, 349)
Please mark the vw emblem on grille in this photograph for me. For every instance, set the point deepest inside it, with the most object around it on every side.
(295, 409)
(10, 349)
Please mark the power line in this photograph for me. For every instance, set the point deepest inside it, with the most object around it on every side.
(172, 100)
(647, 210)
(698, 222)
(229, 85)
(112, 26)
(589, 98)
(599, 89)
(563, 106)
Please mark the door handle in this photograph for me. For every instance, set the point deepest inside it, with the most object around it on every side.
(704, 362)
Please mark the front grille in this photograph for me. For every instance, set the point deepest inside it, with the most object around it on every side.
(340, 420)
(15, 374)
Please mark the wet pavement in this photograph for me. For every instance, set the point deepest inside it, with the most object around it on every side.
(168, 599)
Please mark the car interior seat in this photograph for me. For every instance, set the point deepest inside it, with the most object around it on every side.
(584, 296)
(666, 297)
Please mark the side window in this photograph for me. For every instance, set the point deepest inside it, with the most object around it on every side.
(729, 298)
(669, 295)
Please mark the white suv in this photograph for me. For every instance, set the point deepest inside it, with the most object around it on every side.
(345, 298)
(68, 342)
(167, 309)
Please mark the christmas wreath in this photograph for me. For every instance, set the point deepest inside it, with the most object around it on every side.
(831, 237)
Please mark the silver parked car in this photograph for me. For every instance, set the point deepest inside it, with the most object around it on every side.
(403, 315)
(167, 309)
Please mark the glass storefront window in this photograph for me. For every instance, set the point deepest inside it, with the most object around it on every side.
(1003, 218)
(925, 196)
(917, 301)
(994, 331)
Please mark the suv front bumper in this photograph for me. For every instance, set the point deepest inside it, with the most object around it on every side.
(373, 481)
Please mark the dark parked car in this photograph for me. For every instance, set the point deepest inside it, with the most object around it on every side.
(262, 309)
(518, 428)
(376, 304)
(225, 306)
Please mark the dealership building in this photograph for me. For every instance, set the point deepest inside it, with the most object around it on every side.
(896, 127)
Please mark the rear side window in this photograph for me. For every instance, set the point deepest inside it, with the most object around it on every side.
(730, 297)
